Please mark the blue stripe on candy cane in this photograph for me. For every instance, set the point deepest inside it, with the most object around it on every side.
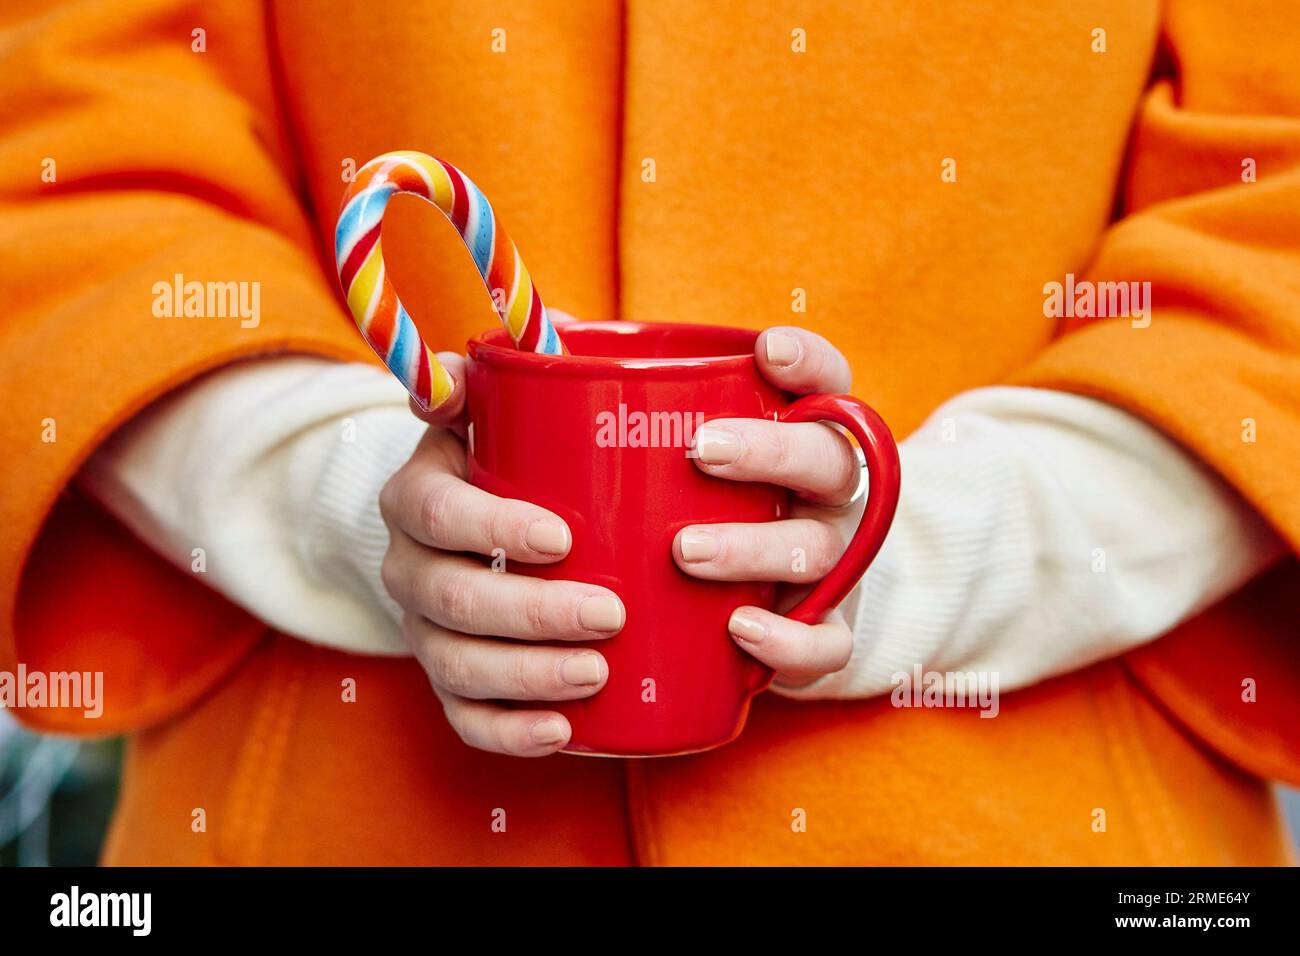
(358, 218)
(483, 222)
(406, 343)
(550, 342)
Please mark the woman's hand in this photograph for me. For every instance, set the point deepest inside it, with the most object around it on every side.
(458, 609)
(820, 467)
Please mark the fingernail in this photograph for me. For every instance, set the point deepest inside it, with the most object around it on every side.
(548, 536)
(699, 546)
(782, 349)
(748, 629)
(717, 446)
(581, 670)
(601, 613)
(548, 731)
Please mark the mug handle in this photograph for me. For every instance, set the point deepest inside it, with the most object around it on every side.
(884, 474)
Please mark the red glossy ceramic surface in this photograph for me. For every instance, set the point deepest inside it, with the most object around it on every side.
(563, 432)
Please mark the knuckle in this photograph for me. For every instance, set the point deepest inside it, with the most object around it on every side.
(522, 676)
(783, 452)
(449, 668)
(437, 506)
(454, 596)
(850, 470)
(509, 739)
(461, 726)
(536, 610)
(841, 640)
(847, 488)
(503, 527)
(827, 552)
(388, 500)
(411, 633)
(822, 565)
(390, 574)
(462, 732)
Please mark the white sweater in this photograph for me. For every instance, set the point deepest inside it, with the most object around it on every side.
(1037, 531)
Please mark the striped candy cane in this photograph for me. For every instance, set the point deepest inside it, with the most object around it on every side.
(379, 313)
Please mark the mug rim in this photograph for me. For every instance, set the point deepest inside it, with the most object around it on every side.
(494, 346)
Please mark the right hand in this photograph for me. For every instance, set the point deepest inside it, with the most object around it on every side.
(458, 609)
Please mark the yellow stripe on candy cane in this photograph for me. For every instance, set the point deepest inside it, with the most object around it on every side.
(442, 190)
(440, 381)
(365, 286)
(520, 300)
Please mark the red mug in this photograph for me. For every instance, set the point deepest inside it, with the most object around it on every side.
(602, 438)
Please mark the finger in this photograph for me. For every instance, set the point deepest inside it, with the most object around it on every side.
(799, 653)
(802, 362)
(441, 510)
(560, 318)
(451, 412)
(796, 551)
(482, 668)
(807, 457)
(501, 730)
(460, 593)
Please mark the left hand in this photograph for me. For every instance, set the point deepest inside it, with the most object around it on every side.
(817, 464)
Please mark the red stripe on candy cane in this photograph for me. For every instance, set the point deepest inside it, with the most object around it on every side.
(459, 199)
(423, 383)
(357, 256)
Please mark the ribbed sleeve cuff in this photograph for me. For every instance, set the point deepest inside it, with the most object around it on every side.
(928, 597)
(347, 538)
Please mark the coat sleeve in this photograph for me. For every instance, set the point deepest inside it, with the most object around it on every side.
(1211, 219)
(141, 147)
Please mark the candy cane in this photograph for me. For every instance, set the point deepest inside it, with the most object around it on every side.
(379, 313)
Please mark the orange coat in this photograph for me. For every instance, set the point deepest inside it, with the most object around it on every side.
(773, 170)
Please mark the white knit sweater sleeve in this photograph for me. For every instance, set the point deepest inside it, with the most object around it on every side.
(273, 468)
(1037, 531)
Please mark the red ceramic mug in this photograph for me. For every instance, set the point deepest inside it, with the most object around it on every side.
(601, 437)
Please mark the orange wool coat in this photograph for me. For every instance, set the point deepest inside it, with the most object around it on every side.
(921, 174)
